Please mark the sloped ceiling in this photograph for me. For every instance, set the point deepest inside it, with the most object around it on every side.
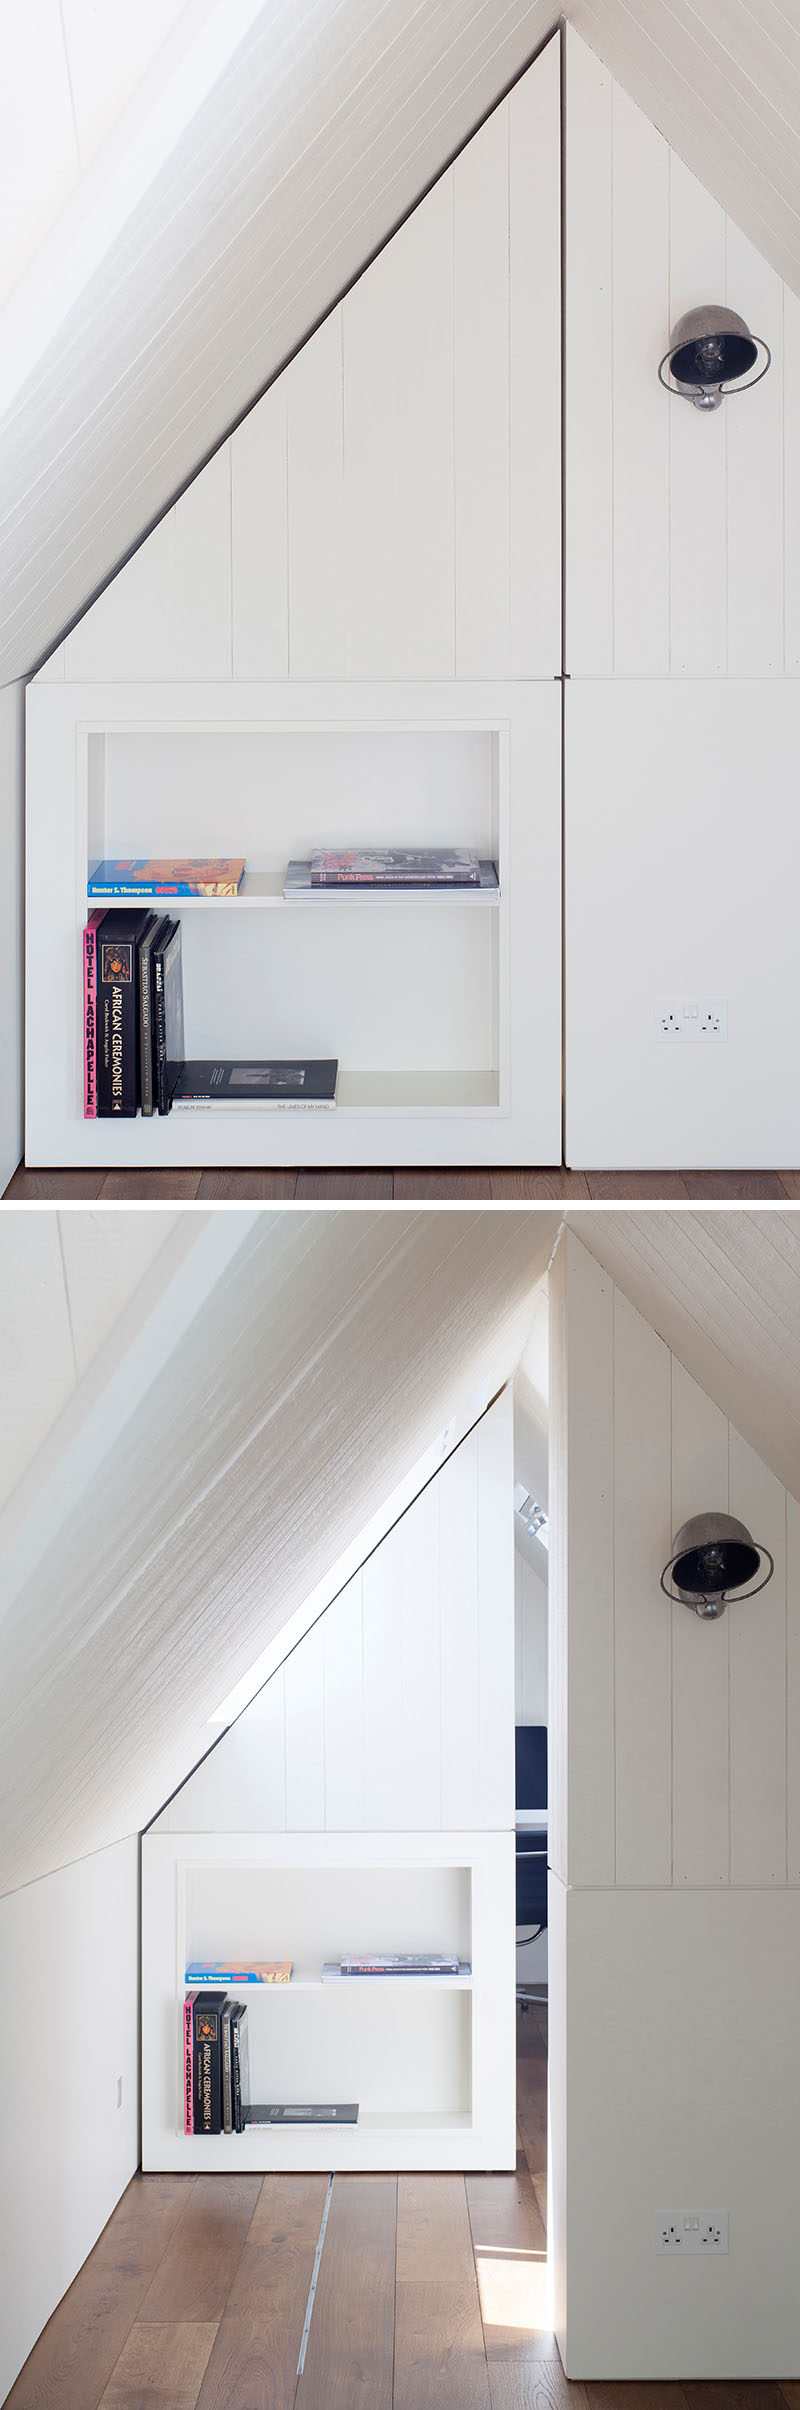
(66, 1282)
(723, 1289)
(207, 1473)
(189, 265)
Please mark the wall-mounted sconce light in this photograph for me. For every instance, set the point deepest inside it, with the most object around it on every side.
(712, 352)
(715, 1558)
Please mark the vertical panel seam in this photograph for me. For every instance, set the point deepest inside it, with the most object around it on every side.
(614, 1583)
(230, 543)
(730, 1692)
(671, 1636)
(453, 348)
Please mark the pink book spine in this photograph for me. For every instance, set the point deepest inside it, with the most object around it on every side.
(188, 2070)
(90, 1016)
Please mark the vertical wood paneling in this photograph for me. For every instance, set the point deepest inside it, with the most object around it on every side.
(698, 491)
(128, 632)
(458, 1602)
(755, 475)
(202, 573)
(640, 281)
(534, 174)
(402, 1672)
(495, 1795)
(791, 470)
(590, 1567)
(701, 1848)
(398, 452)
(758, 1684)
(344, 1711)
(317, 631)
(304, 1678)
(481, 401)
(642, 1670)
(793, 1686)
(589, 404)
(259, 540)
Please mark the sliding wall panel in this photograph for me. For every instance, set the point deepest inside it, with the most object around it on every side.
(700, 1652)
(400, 1698)
(677, 519)
(642, 1660)
(682, 868)
(758, 1684)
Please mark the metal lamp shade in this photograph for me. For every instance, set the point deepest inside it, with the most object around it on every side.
(710, 350)
(714, 1557)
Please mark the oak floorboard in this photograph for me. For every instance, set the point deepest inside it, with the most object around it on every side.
(510, 2248)
(74, 2357)
(734, 1186)
(519, 1186)
(790, 2388)
(325, 1187)
(52, 1187)
(434, 2238)
(194, 2277)
(254, 2360)
(145, 1187)
(350, 2356)
(160, 2368)
(790, 1183)
(637, 1186)
(733, 2394)
(437, 1187)
(534, 2385)
(253, 1186)
(439, 2356)
(625, 2395)
(144, 2221)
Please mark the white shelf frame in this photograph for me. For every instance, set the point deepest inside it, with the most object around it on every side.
(482, 2136)
(422, 1113)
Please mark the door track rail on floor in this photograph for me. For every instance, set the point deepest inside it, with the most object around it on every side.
(313, 2285)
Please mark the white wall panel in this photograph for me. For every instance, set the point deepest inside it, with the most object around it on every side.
(682, 865)
(259, 541)
(391, 507)
(400, 1699)
(315, 512)
(698, 595)
(642, 1669)
(677, 519)
(758, 1684)
(700, 1652)
(640, 461)
(530, 1643)
(69, 1945)
(588, 366)
(690, 1745)
(12, 1009)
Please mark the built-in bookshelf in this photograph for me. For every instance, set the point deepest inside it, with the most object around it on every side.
(443, 1008)
(430, 2059)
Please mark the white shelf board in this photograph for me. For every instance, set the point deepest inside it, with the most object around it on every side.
(332, 1983)
(264, 888)
(375, 1091)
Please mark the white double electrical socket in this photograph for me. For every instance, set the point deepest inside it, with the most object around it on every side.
(693, 2230)
(691, 1023)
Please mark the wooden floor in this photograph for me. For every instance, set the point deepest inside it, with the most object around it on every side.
(402, 1187)
(430, 2296)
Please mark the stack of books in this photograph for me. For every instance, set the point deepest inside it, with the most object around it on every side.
(410, 1963)
(421, 867)
(216, 2064)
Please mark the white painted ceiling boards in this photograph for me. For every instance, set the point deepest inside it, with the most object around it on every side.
(266, 1400)
(263, 157)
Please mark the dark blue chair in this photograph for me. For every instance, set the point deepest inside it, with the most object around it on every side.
(531, 1792)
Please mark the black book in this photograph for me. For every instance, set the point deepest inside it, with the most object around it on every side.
(227, 2092)
(240, 2065)
(156, 924)
(207, 2059)
(168, 1038)
(118, 1014)
(286, 1086)
(343, 2112)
